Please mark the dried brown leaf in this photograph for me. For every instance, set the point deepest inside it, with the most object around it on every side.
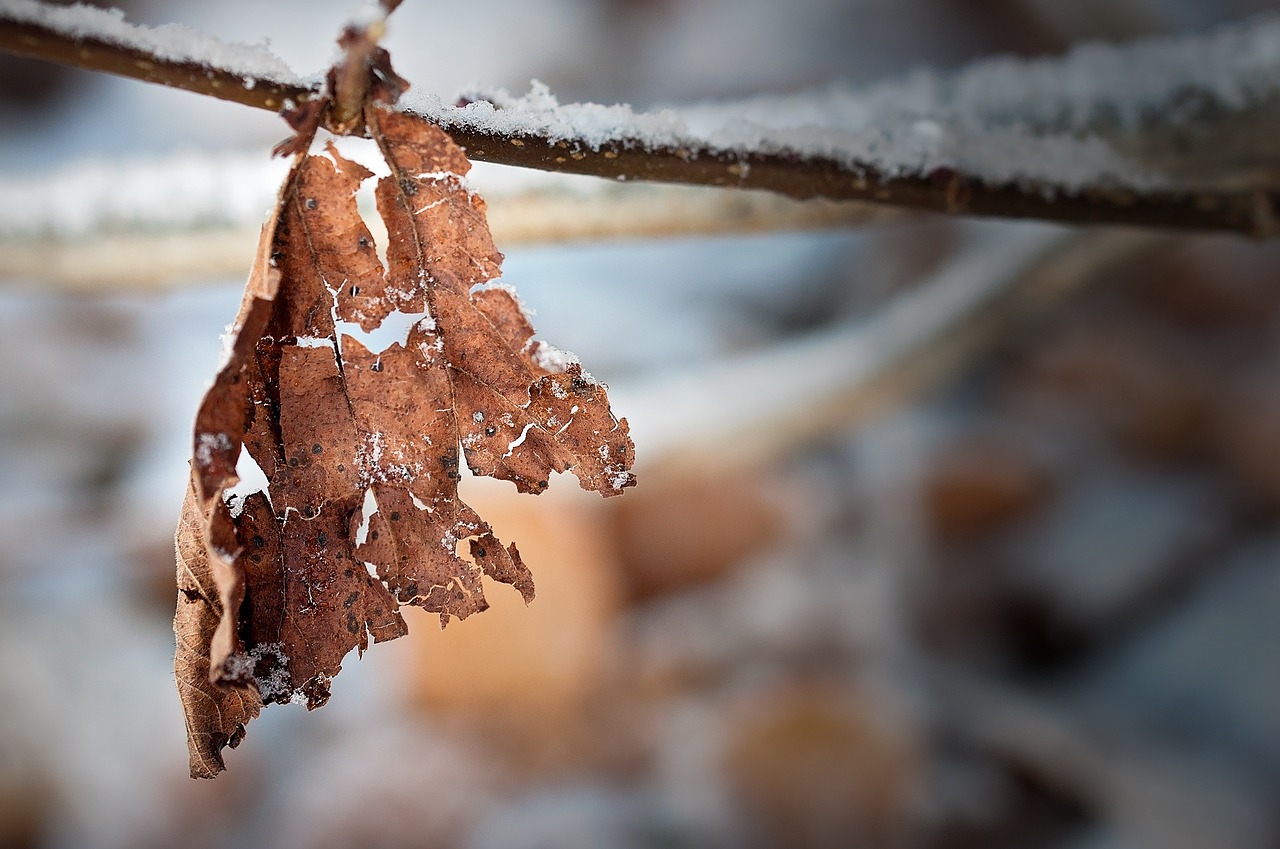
(215, 714)
(362, 449)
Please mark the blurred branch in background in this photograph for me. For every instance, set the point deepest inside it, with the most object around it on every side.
(1154, 796)
(131, 250)
(758, 408)
(1165, 132)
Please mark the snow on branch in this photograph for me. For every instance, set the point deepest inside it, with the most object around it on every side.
(172, 55)
(1169, 131)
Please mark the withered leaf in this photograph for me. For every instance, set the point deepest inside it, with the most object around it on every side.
(215, 715)
(362, 449)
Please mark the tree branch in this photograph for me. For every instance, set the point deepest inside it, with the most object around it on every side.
(152, 257)
(1249, 211)
(708, 419)
(1250, 208)
(91, 52)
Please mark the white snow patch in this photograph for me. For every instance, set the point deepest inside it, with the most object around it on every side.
(207, 443)
(999, 119)
(527, 311)
(1002, 120)
(844, 128)
(226, 344)
(171, 193)
(552, 359)
(274, 681)
(371, 451)
(378, 463)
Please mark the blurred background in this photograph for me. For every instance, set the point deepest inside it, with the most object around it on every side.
(947, 534)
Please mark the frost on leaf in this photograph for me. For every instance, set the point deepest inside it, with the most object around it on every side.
(275, 593)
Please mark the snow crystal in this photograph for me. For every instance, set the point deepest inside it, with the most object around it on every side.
(551, 359)
(540, 113)
(843, 129)
(527, 311)
(267, 664)
(377, 463)
(226, 344)
(235, 504)
(447, 176)
(207, 443)
(371, 453)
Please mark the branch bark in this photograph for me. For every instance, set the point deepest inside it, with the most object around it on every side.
(1251, 210)
(96, 53)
